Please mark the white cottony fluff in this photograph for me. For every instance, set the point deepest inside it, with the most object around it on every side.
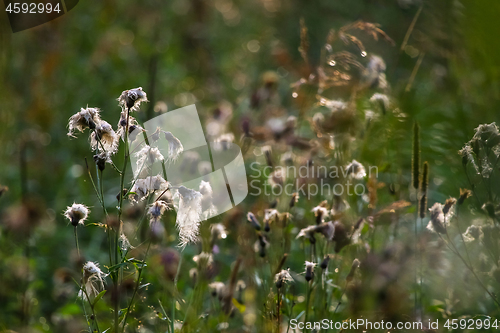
(93, 280)
(207, 206)
(143, 187)
(188, 214)
(148, 156)
(175, 147)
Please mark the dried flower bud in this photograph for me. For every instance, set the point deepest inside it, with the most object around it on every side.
(132, 99)
(294, 199)
(324, 263)
(100, 161)
(309, 270)
(282, 277)
(267, 154)
(253, 220)
(464, 194)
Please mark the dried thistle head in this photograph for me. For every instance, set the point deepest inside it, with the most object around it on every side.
(473, 233)
(320, 212)
(156, 210)
(86, 118)
(282, 277)
(104, 138)
(356, 170)
(132, 99)
(76, 214)
(93, 280)
(309, 270)
(437, 222)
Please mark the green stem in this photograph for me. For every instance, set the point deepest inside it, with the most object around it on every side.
(120, 210)
(137, 283)
(76, 241)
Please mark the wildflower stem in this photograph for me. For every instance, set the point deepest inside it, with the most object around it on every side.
(469, 267)
(76, 241)
(278, 302)
(120, 210)
(174, 290)
(136, 288)
(308, 298)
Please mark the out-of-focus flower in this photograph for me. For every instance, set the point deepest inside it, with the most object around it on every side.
(218, 231)
(76, 214)
(282, 278)
(203, 259)
(356, 170)
(354, 267)
(309, 270)
(437, 222)
(321, 212)
(261, 245)
(253, 220)
(133, 127)
(380, 100)
(132, 99)
(217, 289)
(86, 118)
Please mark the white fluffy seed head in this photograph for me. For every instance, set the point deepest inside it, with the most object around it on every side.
(76, 214)
(86, 118)
(104, 138)
(356, 170)
(132, 99)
